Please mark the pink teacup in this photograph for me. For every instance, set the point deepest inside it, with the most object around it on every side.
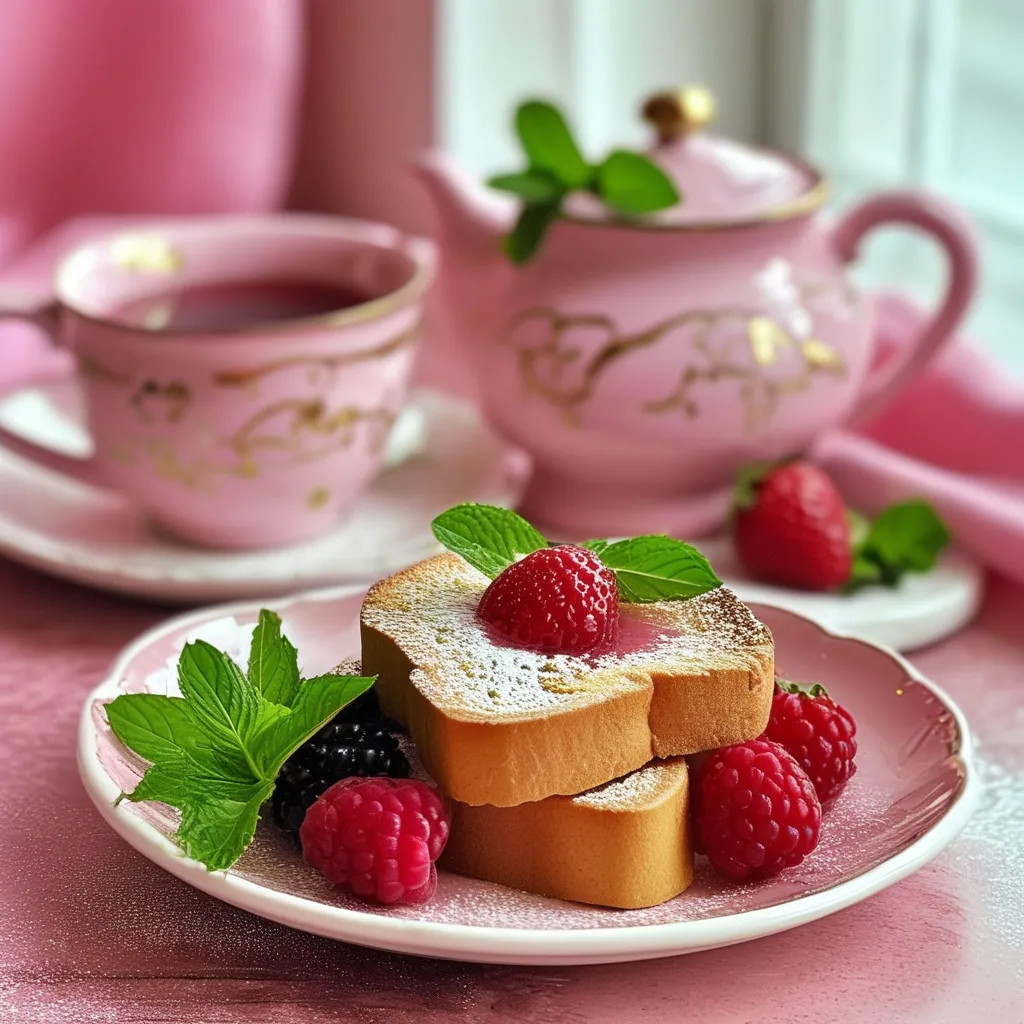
(240, 374)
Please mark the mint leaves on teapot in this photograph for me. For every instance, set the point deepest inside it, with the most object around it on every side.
(628, 183)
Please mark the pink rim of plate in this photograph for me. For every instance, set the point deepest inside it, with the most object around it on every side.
(509, 945)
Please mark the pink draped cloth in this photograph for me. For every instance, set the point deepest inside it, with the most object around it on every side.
(955, 437)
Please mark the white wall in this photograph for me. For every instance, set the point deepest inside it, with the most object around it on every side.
(598, 59)
(929, 93)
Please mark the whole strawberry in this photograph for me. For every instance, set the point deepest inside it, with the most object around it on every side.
(755, 811)
(560, 599)
(791, 528)
(820, 734)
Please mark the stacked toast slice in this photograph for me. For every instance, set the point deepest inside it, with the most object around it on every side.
(566, 772)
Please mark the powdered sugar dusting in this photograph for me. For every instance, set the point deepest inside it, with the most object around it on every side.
(641, 787)
(430, 611)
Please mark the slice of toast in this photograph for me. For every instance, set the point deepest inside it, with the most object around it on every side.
(625, 844)
(501, 725)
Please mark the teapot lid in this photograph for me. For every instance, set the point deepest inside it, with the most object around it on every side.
(722, 182)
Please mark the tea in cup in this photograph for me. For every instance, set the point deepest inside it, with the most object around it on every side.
(240, 374)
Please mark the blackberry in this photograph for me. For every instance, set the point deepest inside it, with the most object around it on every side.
(359, 741)
(365, 708)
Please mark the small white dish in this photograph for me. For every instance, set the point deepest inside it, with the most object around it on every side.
(915, 788)
(921, 609)
(441, 453)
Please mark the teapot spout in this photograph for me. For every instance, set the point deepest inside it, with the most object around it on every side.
(471, 219)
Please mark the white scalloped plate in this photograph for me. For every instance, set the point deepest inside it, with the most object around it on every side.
(442, 453)
(915, 788)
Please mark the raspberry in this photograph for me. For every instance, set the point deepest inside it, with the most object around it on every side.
(755, 811)
(558, 599)
(818, 733)
(377, 838)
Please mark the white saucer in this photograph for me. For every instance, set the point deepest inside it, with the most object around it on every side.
(922, 609)
(441, 453)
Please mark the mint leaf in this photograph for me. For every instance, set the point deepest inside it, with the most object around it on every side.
(907, 536)
(632, 184)
(316, 702)
(487, 537)
(597, 546)
(217, 693)
(628, 183)
(534, 186)
(864, 572)
(215, 752)
(174, 781)
(549, 144)
(217, 828)
(158, 728)
(658, 568)
(529, 231)
(153, 726)
(273, 661)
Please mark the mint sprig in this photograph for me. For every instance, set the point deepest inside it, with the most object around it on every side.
(906, 537)
(632, 185)
(647, 569)
(626, 182)
(657, 568)
(549, 144)
(487, 537)
(215, 751)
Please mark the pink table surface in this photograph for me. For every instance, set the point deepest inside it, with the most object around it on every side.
(90, 931)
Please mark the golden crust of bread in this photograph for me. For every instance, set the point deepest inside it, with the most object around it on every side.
(626, 844)
(499, 725)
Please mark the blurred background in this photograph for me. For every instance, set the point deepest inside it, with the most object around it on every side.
(179, 106)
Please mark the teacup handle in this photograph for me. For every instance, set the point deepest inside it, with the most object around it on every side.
(41, 311)
(954, 235)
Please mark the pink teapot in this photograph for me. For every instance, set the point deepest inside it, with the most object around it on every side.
(642, 361)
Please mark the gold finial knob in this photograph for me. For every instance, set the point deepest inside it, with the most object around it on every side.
(674, 114)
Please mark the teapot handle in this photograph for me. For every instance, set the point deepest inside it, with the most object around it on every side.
(948, 227)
